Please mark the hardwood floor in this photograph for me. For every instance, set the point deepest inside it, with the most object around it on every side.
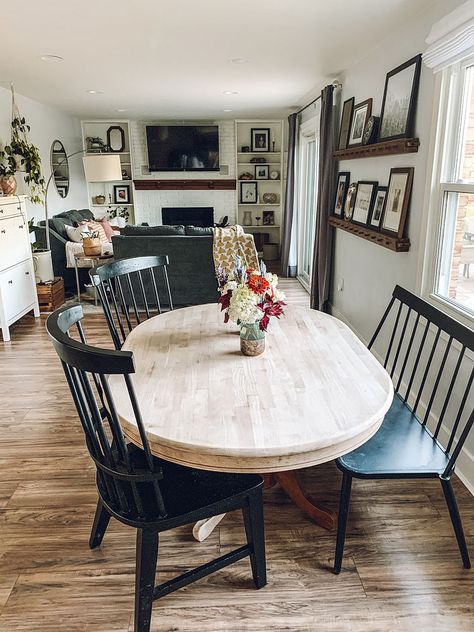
(402, 569)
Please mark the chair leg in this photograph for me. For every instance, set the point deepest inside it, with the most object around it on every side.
(456, 521)
(147, 556)
(255, 531)
(99, 526)
(342, 520)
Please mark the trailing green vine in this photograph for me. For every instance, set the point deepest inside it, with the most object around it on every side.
(20, 155)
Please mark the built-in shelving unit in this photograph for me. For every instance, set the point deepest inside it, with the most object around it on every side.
(275, 161)
(98, 128)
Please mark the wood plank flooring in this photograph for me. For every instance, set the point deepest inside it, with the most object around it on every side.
(402, 570)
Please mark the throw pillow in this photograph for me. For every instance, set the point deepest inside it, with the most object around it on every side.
(109, 231)
(74, 233)
(93, 227)
(198, 231)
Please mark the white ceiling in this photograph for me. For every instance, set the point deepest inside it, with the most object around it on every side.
(170, 58)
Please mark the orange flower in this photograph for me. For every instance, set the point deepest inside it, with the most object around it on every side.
(258, 284)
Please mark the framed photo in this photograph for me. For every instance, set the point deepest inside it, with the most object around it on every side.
(398, 199)
(364, 200)
(345, 123)
(268, 218)
(248, 192)
(360, 116)
(121, 194)
(260, 138)
(262, 172)
(350, 199)
(379, 205)
(342, 185)
(399, 100)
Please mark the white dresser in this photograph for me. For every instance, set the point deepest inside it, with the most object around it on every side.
(17, 277)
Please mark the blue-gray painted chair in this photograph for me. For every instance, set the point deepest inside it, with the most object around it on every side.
(405, 447)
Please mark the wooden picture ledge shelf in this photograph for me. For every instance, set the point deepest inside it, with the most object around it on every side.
(387, 148)
(387, 241)
(185, 185)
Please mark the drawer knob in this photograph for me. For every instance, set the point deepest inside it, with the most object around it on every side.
(21, 226)
(11, 282)
(27, 272)
(3, 231)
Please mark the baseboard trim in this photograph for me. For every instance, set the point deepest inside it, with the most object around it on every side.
(465, 462)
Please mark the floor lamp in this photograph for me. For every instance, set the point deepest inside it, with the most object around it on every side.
(97, 168)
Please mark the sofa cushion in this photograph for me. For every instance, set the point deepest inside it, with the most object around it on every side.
(58, 224)
(150, 231)
(85, 213)
(198, 231)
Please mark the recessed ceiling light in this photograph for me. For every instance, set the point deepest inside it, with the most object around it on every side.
(230, 92)
(52, 58)
(122, 110)
(238, 60)
(227, 110)
(94, 92)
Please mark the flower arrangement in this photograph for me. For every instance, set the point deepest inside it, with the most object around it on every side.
(250, 295)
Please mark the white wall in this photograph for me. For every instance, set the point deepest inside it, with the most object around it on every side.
(370, 272)
(48, 124)
(148, 204)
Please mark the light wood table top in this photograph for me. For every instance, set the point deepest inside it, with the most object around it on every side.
(316, 392)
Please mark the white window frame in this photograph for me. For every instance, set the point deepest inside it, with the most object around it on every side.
(308, 132)
(443, 154)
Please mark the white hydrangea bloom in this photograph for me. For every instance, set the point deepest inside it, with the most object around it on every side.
(272, 279)
(243, 306)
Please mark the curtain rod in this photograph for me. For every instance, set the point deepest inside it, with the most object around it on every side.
(335, 84)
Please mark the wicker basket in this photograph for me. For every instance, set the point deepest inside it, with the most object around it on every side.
(92, 246)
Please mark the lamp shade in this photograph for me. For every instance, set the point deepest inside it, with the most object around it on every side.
(102, 168)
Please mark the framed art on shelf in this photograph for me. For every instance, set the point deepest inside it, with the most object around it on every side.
(364, 199)
(398, 199)
(121, 194)
(379, 205)
(350, 199)
(399, 100)
(342, 185)
(248, 192)
(360, 116)
(260, 138)
(262, 172)
(345, 123)
(268, 218)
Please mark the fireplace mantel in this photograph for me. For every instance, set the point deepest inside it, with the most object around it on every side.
(184, 185)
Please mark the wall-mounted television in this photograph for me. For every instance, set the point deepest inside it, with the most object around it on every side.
(183, 147)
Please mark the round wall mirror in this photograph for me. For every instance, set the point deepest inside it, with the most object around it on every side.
(60, 168)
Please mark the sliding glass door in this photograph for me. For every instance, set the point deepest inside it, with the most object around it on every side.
(307, 195)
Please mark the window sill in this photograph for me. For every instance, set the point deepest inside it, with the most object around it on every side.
(464, 316)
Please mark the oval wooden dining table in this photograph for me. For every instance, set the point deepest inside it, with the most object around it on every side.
(315, 393)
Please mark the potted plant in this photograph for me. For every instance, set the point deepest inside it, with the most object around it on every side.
(20, 155)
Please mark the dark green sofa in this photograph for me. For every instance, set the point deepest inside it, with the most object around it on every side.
(191, 265)
(58, 238)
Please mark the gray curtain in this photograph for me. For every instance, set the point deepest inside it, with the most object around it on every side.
(323, 241)
(288, 270)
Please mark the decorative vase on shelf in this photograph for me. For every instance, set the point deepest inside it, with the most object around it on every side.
(252, 339)
(247, 219)
(8, 185)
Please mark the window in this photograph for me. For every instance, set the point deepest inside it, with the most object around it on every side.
(452, 277)
(307, 195)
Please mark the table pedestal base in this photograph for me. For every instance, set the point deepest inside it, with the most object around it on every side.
(290, 482)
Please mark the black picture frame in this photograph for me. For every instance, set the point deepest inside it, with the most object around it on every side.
(378, 208)
(120, 130)
(363, 202)
(118, 197)
(251, 187)
(346, 120)
(360, 116)
(389, 128)
(260, 139)
(262, 169)
(342, 185)
(268, 218)
(399, 193)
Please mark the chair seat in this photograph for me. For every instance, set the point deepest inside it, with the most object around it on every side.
(402, 448)
(188, 493)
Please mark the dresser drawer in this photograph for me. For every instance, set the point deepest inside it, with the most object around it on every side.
(11, 206)
(17, 288)
(14, 241)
